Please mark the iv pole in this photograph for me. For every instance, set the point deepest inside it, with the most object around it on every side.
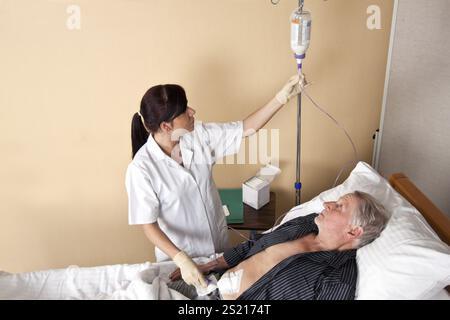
(298, 184)
(299, 58)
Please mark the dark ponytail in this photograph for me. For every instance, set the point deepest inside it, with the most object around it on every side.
(159, 104)
(139, 134)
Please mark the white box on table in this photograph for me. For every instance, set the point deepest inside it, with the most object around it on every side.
(256, 192)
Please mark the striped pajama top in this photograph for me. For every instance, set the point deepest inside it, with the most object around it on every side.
(323, 275)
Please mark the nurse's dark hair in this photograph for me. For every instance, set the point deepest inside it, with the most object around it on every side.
(161, 103)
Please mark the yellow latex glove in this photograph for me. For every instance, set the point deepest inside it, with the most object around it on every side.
(189, 270)
(292, 88)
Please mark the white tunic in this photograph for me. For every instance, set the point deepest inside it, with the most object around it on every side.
(183, 200)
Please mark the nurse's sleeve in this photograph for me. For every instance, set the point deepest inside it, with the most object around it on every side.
(143, 204)
(224, 139)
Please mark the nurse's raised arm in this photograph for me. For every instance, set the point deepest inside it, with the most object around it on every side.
(260, 117)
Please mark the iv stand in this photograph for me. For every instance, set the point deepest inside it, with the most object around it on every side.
(298, 184)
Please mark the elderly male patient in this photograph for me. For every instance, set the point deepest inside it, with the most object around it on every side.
(310, 257)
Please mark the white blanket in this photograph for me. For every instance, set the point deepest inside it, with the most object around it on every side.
(146, 281)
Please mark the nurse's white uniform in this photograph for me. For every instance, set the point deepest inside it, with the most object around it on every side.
(183, 200)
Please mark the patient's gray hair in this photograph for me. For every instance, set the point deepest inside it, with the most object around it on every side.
(371, 216)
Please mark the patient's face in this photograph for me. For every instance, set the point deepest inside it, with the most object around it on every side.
(336, 215)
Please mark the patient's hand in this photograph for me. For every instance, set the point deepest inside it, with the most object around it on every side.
(204, 269)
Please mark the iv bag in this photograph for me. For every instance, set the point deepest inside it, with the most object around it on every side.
(300, 31)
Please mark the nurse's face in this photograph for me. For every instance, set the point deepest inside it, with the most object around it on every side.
(184, 121)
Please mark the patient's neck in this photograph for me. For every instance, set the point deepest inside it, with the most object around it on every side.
(320, 242)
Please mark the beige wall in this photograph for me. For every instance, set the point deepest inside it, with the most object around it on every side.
(66, 100)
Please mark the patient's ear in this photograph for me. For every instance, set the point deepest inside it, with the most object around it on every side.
(355, 232)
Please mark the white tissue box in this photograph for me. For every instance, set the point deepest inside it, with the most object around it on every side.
(256, 192)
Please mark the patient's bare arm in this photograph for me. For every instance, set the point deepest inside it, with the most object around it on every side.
(218, 264)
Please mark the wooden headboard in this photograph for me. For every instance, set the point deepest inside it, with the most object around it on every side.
(435, 217)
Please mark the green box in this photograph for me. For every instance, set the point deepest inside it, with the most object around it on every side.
(232, 198)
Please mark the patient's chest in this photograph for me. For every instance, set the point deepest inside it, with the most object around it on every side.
(259, 264)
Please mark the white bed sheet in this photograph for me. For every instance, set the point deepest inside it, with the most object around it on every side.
(146, 281)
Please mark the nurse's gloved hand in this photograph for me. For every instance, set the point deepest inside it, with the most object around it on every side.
(189, 270)
(291, 88)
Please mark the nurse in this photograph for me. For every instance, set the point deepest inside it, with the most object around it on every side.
(169, 182)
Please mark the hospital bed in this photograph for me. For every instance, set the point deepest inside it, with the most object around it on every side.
(410, 260)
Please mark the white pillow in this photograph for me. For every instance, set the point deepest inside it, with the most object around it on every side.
(408, 260)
